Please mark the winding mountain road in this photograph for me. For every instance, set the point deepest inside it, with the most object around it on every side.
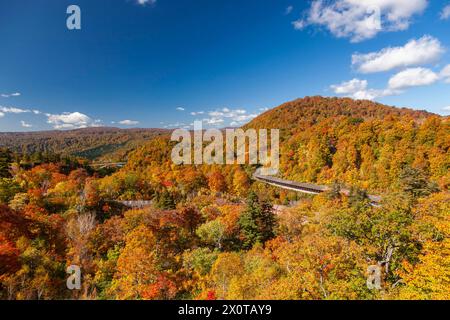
(305, 187)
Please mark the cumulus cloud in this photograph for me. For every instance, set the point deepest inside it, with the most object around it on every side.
(408, 78)
(358, 89)
(445, 74)
(413, 77)
(129, 122)
(195, 113)
(67, 120)
(416, 52)
(445, 13)
(25, 125)
(361, 19)
(180, 109)
(350, 86)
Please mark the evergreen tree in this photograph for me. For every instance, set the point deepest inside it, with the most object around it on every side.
(335, 191)
(414, 183)
(165, 201)
(5, 161)
(257, 223)
(358, 198)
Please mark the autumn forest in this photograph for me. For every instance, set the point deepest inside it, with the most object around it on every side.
(213, 232)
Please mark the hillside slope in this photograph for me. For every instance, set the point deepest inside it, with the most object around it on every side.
(359, 143)
(310, 110)
(90, 143)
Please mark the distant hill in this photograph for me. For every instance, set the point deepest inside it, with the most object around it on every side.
(91, 143)
(357, 142)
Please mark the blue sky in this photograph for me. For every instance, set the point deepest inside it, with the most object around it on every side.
(166, 63)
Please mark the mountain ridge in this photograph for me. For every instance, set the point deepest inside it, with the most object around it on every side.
(90, 143)
(111, 143)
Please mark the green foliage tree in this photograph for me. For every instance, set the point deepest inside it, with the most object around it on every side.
(200, 260)
(257, 222)
(165, 201)
(8, 189)
(5, 162)
(414, 183)
(212, 233)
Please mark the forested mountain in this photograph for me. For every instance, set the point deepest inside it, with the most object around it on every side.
(295, 115)
(212, 232)
(357, 142)
(91, 143)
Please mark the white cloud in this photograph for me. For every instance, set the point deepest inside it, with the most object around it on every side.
(413, 77)
(216, 114)
(361, 19)
(445, 13)
(13, 110)
(175, 125)
(74, 120)
(222, 117)
(226, 115)
(144, 2)
(8, 95)
(299, 24)
(289, 10)
(213, 121)
(180, 109)
(25, 125)
(446, 109)
(351, 86)
(129, 122)
(245, 118)
(416, 52)
(369, 94)
(445, 74)
(358, 89)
